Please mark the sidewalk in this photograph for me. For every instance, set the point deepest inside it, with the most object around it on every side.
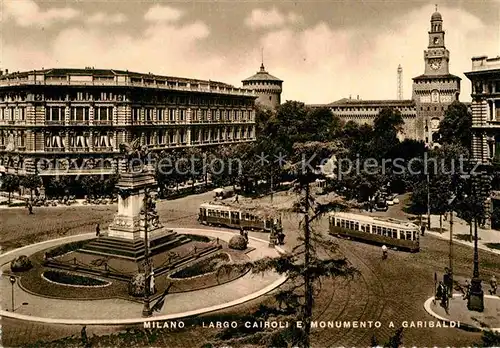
(461, 230)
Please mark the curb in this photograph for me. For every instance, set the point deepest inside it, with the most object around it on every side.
(174, 316)
(469, 244)
(463, 326)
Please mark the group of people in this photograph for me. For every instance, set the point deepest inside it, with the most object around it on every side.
(244, 233)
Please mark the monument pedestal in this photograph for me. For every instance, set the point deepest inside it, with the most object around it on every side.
(125, 235)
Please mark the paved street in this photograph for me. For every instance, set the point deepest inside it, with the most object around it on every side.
(390, 290)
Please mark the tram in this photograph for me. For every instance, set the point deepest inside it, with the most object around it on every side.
(387, 231)
(236, 217)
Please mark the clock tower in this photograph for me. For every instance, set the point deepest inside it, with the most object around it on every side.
(436, 88)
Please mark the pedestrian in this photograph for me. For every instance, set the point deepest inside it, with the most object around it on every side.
(467, 290)
(384, 252)
(97, 230)
(422, 229)
(236, 199)
(242, 231)
(281, 237)
(85, 340)
(493, 284)
(246, 235)
(439, 292)
(30, 208)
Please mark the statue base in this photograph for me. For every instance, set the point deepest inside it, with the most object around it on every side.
(476, 296)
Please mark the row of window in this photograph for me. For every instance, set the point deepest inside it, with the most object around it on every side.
(236, 215)
(377, 229)
(204, 115)
(78, 140)
(18, 139)
(110, 96)
(12, 114)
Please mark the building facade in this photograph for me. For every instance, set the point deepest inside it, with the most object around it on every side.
(432, 93)
(72, 121)
(485, 107)
(267, 87)
(485, 80)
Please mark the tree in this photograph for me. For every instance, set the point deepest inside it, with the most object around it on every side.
(307, 263)
(455, 128)
(10, 184)
(31, 182)
(386, 127)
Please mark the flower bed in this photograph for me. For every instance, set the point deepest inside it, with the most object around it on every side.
(202, 267)
(70, 279)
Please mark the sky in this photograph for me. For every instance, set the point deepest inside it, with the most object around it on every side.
(324, 50)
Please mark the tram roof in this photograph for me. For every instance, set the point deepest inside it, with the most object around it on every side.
(374, 219)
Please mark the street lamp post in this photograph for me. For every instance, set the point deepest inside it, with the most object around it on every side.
(12, 282)
(476, 297)
(146, 311)
(428, 188)
(450, 266)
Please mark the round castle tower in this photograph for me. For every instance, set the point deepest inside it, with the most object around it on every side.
(267, 87)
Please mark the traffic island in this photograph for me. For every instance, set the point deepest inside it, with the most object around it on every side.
(462, 317)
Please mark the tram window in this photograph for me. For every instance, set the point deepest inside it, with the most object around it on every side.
(342, 223)
(351, 225)
(338, 222)
(402, 234)
(379, 230)
(384, 231)
(356, 226)
(414, 238)
(395, 233)
(408, 235)
(363, 228)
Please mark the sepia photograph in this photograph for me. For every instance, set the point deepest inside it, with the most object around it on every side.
(249, 173)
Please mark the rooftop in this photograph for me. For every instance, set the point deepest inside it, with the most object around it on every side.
(117, 78)
(381, 102)
(432, 77)
(262, 75)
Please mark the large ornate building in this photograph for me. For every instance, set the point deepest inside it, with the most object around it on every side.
(72, 121)
(485, 80)
(433, 92)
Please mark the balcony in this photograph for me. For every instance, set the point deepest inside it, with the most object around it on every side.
(54, 122)
(54, 149)
(79, 149)
(21, 148)
(103, 149)
(103, 122)
(79, 122)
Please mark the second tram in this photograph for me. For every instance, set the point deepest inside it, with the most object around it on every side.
(387, 231)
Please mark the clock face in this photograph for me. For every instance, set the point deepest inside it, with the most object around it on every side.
(435, 64)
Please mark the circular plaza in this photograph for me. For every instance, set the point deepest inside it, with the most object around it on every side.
(50, 305)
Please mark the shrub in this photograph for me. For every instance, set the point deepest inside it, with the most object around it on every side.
(21, 264)
(238, 243)
(202, 267)
(198, 238)
(136, 285)
(72, 279)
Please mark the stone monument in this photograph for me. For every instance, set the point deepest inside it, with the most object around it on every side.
(125, 235)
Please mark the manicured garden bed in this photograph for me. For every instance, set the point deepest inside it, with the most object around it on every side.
(205, 266)
(72, 279)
